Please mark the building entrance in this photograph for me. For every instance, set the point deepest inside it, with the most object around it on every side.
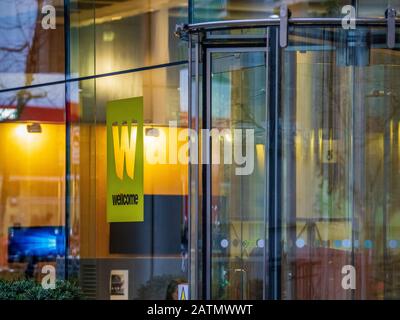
(320, 106)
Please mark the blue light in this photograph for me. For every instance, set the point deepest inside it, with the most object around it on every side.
(38, 243)
(368, 244)
(337, 243)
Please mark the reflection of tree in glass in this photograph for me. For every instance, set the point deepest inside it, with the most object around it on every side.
(21, 38)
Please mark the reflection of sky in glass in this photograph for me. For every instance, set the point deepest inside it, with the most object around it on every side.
(17, 30)
(17, 26)
(221, 97)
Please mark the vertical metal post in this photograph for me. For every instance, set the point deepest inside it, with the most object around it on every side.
(193, 177)
(206, 175)
(274, 224)
(288, 193)
(283, 27)
(189, 181)
(391, 27)
(266, 161)
(190, 11)
(67, 132)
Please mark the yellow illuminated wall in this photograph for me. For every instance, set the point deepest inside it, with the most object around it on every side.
(32, 177)
(32, 180)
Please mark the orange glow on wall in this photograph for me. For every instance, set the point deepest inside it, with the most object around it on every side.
(32, 177)
(164, 179)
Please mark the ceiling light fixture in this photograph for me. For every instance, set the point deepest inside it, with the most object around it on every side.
(34, 128)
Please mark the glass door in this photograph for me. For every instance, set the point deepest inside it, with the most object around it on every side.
(237, 83)
(298, 195)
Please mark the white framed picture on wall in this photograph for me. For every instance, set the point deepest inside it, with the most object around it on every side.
(119, 285)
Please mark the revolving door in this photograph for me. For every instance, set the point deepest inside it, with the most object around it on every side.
(296, 194)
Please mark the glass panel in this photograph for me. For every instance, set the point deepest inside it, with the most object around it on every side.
(155, 252)
(31, 46)
(215, 10)
(110, 36)
(371, 8)
(138, 33)
(82, 184)
(82, 38)
(239, 114)
(32, 182)
(340, 165)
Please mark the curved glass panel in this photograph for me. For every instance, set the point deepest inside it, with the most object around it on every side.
(340, 165)
(330, 209)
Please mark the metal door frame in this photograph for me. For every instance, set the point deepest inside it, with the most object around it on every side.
(208, 111)
(268, 43)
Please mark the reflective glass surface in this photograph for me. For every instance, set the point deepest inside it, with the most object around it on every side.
(32, 182)
(31, 45)
(109, 36)
(154, 252)
(238, 212)
(215, 10)
(340, 150)
(325, 108)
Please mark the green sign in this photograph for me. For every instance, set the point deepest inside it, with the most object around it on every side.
(125, 160)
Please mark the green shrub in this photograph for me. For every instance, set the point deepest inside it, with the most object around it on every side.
(31, 290)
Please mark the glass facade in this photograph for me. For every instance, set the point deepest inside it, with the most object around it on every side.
(53, 127)
(320, 195)
(338, 147)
